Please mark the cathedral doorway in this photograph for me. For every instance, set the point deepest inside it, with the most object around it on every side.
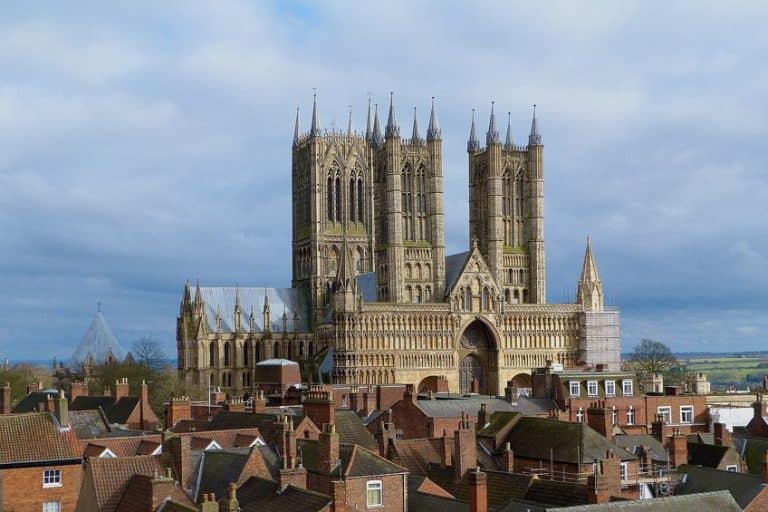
(477, 363)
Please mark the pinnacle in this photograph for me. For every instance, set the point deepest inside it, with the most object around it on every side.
(392, 130)
(415, 138)
(473, 144)
(315, 129)
(508, 143)
(535, 137)
(492, 137)
(433, 131)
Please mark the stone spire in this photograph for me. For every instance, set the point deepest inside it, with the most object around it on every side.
(238, 309)
(376, 138)
(492, 137)
(534, 138)
(266, 312)
(473, 144)
(415, 138)
(198, 298)
(296, 128)
(392, 129)
(589, 291)
(369, 122)
(349, 123)
(508, 142)
(315, 129)
(433, 131)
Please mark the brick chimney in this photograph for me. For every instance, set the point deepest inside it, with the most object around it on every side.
(5, 399)
(606, 480)
(388, 432)
(464, 448)
(659, 429)
(178, 408)
(34, 386)
(339, 494)
(121, 389)
(478, 491)
(292, 475)
(285, 437)
(259, 402)
(764, 468)
(410, 395)
(328, 449)
(77, 389)
(678, 448)
(508, 459)
(61, 409)
(758, 407)
(235, 404)
(218, 397)
(144, 407)
(482, 416)
(318, 405)
(722, 436)
(230, 504)
(600, 418)
(181, 455)
(209, 503)
(445, 450)
(369, 403)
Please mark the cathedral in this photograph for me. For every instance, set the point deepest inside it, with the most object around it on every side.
(373, 294)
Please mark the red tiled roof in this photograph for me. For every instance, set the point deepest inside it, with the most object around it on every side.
(35, 437)
(110, 476)
(224, 438)
(145, 493)
(418, 454)
(126, 446)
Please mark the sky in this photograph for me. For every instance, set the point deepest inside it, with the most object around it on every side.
(146, 143)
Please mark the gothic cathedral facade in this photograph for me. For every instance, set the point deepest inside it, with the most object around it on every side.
(373, 291)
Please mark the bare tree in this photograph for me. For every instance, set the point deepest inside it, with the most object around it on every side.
(651, 356)
(148, 352)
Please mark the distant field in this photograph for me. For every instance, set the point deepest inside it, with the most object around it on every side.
(729, 371)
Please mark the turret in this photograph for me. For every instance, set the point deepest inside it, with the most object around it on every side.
(296, 129)
(435, 204)
(508, 142)
(314, 130)
(415, 137)
(433, 131)
(589, 291)
(393, 130)
(492, 137)
(393, 202)
(535, 200)
(376, 138)
(473, 145)
(265, 311)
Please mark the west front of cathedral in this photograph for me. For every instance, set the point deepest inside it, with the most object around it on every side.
(374, 296)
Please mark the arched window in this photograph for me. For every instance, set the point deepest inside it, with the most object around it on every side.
(212, 354)
(352, 202)
(467, 298)
(329, 199)
(522, 276)
(408, 294)
(338, 199)
(417, 295)
(519, 202)
(360, 260)
(506, 295)
(407, 207)
(407, 270)
(226, 354)
(427, 293)
(427, 271)
(289, 353)
(421, 204)
(360, 200)
(485, 300)
(418, 271)
(333, 262)
(247, 354)
(257, 352)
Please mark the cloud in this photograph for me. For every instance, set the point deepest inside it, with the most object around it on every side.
(145, 144)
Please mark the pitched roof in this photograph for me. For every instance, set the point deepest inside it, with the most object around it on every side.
(417, 454)
(98, 342)
(146, 493)
(31, 402)
(707, 455)
(695, 479)
(35, 437)
(221, 301)
(501, 486)
(220, 468)
(83, 403)
(110, 476)
(721, 501)
(126, 446)
(563, 441)
(352, 431)
(89, 423)
(633, 443)
(554, 493)
(453, 407)
(453, 265)
(260, 495)
(355, 460)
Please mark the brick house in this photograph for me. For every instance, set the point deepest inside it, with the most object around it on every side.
(40, 461)
(132, 412)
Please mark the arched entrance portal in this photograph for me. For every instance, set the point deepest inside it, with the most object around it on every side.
(477, 363)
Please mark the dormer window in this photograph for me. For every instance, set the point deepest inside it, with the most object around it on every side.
(592, 387)
(575, 388)
(610, 388)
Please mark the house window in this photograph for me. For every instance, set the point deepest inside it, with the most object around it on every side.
(575, 390)
(614, 416)
(374, 493)
(626, 387)
(610, 387)
(624, 470)
(732, 468)
(630, 416)
(592, 387)
(52, 478)
(51, 506)
(665, 412)
(579, 415)
(686, 414)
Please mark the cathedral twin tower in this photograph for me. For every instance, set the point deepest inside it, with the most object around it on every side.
(381, 197)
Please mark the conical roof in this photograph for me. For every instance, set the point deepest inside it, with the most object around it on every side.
(98, 342)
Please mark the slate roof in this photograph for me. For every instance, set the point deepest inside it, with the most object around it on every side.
(695, 479)
(542, 438)
(453, 265)
(352, 431)
(31, 402)
(35, 437)
(221, 467)
(707, 455)
(355, 460)
(753, 451)
(633, 442)
(115, 412)
(502, 486)
(110, 476)
(554, 493)
(89, 423)
(260, 495)
(452, 408)
(221, 300)
(721, 501)
(98, 342)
